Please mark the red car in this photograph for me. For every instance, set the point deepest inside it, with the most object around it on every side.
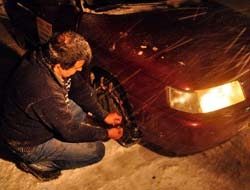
(178, 75)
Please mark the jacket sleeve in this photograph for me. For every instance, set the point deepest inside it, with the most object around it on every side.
(82, 93)
(54, 113)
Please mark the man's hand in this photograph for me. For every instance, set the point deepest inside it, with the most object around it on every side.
(113, 119)
(115, 133)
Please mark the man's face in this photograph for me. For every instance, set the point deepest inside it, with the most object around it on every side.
(65, 73)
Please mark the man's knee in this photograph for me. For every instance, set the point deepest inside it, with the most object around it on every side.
(100, 150)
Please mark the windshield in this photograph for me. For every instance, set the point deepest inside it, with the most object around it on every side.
(126, 6)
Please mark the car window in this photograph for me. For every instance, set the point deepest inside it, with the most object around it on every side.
(126, 6)
(121, 6)
(103, 3)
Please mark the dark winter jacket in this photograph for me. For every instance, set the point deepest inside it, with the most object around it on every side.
(35, 109)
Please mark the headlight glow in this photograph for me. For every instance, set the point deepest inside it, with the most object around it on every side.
(207, 100)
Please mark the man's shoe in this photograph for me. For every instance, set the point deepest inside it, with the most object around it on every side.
(41, 175)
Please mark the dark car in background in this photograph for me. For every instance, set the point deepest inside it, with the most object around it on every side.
(179, 75)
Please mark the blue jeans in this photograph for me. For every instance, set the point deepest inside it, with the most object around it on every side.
(55, 154)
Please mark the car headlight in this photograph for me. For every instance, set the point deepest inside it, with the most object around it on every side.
(207, 100)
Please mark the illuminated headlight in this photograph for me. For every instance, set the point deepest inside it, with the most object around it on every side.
(207, 100)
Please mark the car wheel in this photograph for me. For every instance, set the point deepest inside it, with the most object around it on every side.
(112, 97)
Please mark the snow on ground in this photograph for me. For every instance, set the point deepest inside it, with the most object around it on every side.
(226, 167)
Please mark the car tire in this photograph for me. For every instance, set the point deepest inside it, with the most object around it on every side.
(115, 101)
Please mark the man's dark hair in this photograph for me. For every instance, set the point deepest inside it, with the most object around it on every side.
(66, 48)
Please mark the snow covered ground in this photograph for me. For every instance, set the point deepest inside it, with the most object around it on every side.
(226, 167)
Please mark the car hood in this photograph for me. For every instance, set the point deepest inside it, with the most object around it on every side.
(193, 47)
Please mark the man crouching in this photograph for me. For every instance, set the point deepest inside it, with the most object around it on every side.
(44, 118)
